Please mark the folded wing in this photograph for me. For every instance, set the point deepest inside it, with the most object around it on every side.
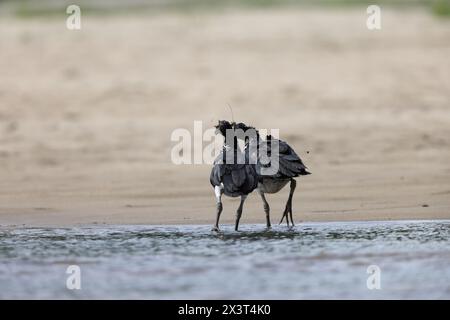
(289, 163)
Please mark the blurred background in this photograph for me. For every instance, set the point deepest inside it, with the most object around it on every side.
(86, 115)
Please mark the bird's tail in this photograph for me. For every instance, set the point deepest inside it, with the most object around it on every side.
(304, 172)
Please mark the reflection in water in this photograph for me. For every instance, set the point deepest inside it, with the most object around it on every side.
(317, 260)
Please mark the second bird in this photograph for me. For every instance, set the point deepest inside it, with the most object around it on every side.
(290, 166)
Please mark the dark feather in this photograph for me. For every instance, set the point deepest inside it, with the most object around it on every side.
(237, 179)
(290, 164)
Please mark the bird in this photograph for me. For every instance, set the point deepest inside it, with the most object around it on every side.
(290, 166)
(231, 174)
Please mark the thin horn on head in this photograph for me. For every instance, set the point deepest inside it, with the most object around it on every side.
(231, 109)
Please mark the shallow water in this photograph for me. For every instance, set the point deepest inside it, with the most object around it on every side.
(315, 260)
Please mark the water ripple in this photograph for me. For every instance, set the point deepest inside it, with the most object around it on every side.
(317, 260)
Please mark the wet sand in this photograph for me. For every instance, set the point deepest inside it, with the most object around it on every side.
(86, 116)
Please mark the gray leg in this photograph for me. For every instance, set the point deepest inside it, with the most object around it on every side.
(288, 209)
(291, 194)
(285, 215)
(218, 192)
(239, 212)
(266, 208)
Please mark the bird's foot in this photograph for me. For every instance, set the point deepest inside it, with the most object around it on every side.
(285, 214)
(215, 229)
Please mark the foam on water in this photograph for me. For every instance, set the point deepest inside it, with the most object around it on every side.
(314, 260)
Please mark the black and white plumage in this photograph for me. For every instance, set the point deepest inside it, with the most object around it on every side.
(290, 166)
(231, 174)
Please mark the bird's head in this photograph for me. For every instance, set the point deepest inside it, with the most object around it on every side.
(222, 127)
(243, 130)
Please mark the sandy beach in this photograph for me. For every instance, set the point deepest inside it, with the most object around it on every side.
(86, 116)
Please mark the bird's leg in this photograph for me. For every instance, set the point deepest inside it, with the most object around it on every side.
(289, 203)
(218, 212)
(239, 212)
(285, 214)
(288, 209)
(218, 192)
(266, 208)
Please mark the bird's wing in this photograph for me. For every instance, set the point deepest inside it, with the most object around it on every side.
(289, 163)
(237, 178)
(218, 170)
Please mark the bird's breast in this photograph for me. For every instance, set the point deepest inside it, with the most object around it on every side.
(269, 185)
